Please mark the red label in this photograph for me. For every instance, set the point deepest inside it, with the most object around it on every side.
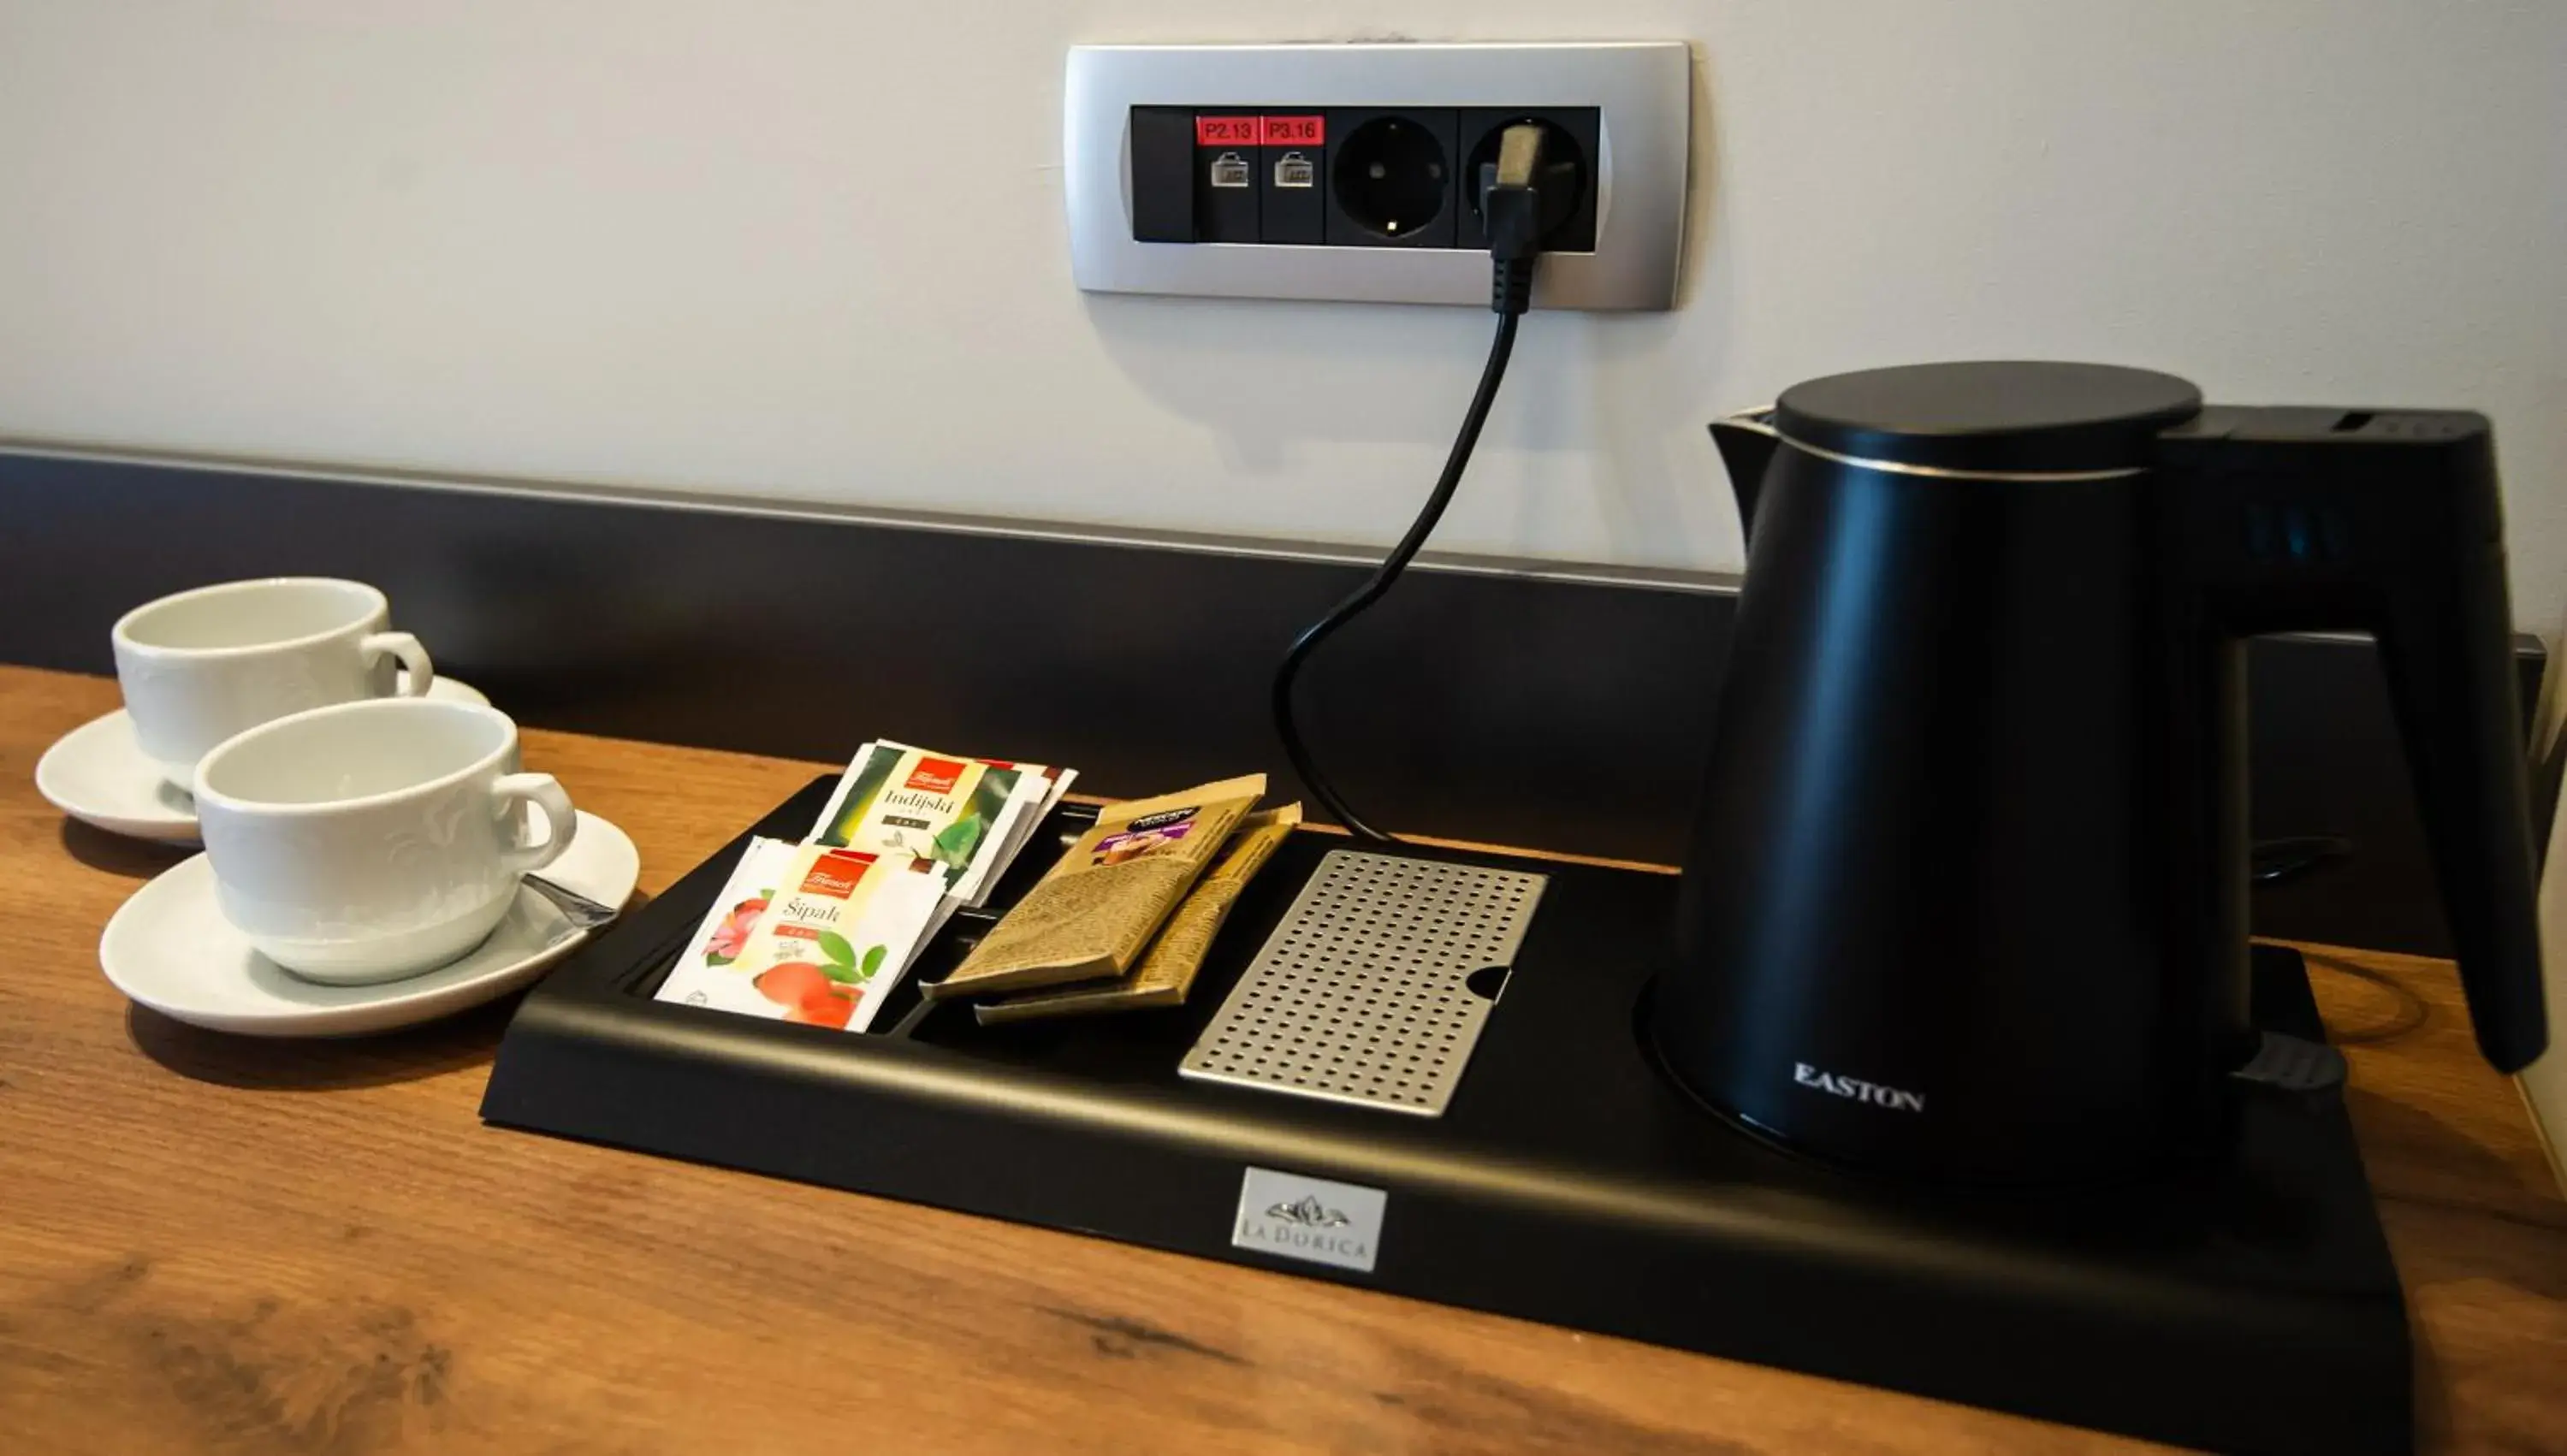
(835, 874)
(1225, 131)
(1292, 131)
(934, 775)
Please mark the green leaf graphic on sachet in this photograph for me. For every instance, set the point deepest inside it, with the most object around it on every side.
(835, 946)
(953, 846)
(873, 962)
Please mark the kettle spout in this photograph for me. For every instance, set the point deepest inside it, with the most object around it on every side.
(1747, 442)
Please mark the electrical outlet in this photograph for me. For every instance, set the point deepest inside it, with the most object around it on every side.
(1390, 176)
(1326, 171)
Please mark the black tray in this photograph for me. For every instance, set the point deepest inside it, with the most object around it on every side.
(2251, 1308)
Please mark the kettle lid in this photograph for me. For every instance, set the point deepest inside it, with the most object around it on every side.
(1994, 417)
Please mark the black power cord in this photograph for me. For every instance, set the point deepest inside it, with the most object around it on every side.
(1379, 583)
(1512, 205)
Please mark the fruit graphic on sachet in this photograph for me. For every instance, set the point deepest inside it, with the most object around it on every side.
(792, 983)
(729, 937)
(808, 995)
(831, 1008)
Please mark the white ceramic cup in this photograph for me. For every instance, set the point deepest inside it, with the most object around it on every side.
(202, 666)
(370, 841)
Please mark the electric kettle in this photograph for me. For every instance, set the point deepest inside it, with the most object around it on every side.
(1966, 896)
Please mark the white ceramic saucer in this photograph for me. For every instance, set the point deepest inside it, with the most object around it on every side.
(171, 948)
(97, 774)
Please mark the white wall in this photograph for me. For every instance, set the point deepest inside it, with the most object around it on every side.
(814, 250)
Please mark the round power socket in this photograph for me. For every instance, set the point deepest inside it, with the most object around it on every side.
(1390, 176)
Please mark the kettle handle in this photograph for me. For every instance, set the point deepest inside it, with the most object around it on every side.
(2290, 519)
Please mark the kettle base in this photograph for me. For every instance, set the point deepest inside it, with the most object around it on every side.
(2122, 1174)
(2250, 1306)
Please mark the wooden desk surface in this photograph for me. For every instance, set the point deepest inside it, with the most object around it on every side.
(214, 1244)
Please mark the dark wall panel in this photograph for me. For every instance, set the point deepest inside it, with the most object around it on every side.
(1519, 709)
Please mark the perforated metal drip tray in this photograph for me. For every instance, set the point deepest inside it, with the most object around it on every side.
(1374, 987)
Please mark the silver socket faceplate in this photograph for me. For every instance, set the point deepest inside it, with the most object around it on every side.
(1644, 90)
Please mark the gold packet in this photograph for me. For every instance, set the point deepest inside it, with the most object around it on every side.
(1167, 969)
(1091, 914)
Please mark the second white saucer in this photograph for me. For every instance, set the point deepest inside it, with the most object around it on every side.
(170, 948)
(97, 774)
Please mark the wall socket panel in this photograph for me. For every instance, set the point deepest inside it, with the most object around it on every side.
(1305, 127)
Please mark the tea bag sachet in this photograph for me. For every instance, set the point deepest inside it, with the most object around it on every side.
(1168, 967)
(1091, 915)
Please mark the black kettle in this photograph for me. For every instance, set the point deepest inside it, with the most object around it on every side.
(1966, 896)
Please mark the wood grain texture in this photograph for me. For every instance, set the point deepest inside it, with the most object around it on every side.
(212, 1243)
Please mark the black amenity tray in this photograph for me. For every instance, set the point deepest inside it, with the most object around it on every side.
(2249, 1308)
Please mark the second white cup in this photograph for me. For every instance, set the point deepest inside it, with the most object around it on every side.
(370, 841)
(204, 664)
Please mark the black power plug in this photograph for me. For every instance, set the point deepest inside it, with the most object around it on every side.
(1570, 156)
(1513, 206)
(1555, 173)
